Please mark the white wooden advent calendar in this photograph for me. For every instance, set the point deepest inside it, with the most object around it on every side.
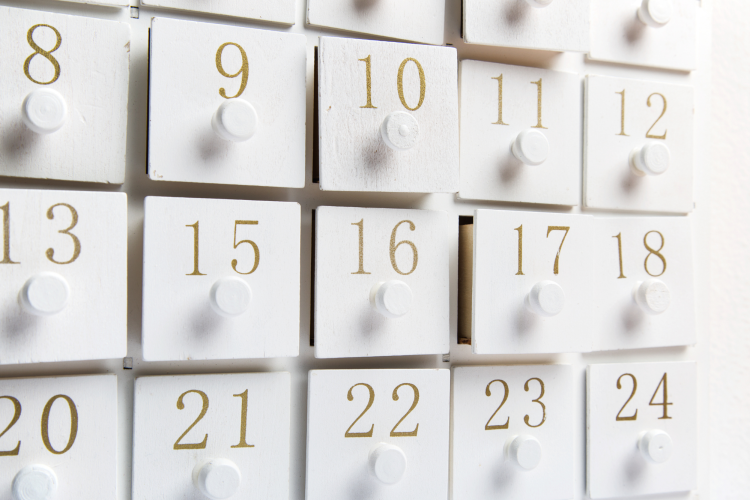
(454, 250)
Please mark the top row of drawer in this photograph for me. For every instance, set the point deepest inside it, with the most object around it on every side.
(657, 33)
(228, 105)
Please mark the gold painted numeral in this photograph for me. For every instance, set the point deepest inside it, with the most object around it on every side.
(243, 422)
(520, 250)
(250, 242)
(350, 397)
(649, 135)
(392, 248)
(73, 424)
(244, 70)
(76, 242)
(634, 416)
(537, 400)
(41, 52)
(619, 253)
(487, 393)
(196, 248)
(361, 226)
(622, 113)
(16, 415)
(656, 252)
(204, 409)
(665, 398)
(556, 268)
(414, 403)
(368, 77)
(6, 235)
(538, 83)
(499, 100)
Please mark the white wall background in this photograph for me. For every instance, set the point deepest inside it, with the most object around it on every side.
(730, 252)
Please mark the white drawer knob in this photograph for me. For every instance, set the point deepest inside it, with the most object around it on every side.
(525, 451)
(44, 294)
(531, 147)
(44, 111)
(656, 446)
(391, 298)
(652, 295)
(400, 131)
(650, 159)
(230, 296)
(217, 478)
(35, 482)
(546, 298)
(235, 120)
(388, 463)
(539, 4)
(656, 13)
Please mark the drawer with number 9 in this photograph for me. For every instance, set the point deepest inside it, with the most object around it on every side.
(212, 436)
(221, 279)
(277, 11)
(63, 96)
(64, 275)
(73, 453)
(226, 105)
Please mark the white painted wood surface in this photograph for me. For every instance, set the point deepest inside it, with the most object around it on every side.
(489, 170)
(482, 468)
(337, 466)
(185, 92)
(420, 21)
(563, 25)
(91, 230)
(106, 3)
(608, 179)
(619, 36)
(501, 321)
(352, 154)
(94, 62)
(346, 323)
(277, 11)
(161, 471)
(620, 323)
(178, 320)
(88, 469)
(616, 466)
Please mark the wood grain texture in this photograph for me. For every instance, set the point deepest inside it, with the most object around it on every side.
(94, 324)
(608, 182)
(185, 93)
(89, 468)
(489, 170)
(420, 21)
(612, 445)
(94, 60)
(561, 26)
(178, 322)
(160, 471)
(337, 467)
(617, 35)
(353, 156)
(480, 468)
(345, 322)
(277, 11)
(106, 3)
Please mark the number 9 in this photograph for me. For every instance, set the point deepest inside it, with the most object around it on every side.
(244, 70)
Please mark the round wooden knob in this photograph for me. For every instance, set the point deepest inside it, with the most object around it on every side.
(531, 147)
(235, 120)
(388, 463)
(230, 296)
(44, 294)
(217, 478)
(546, 298)
(525, 451)
(656, 13)
(656, 446)
(652, 295)
(539, 4)
(391, 298)
(650, 159)
(35, 482)
(400, 131)
(44, 111)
